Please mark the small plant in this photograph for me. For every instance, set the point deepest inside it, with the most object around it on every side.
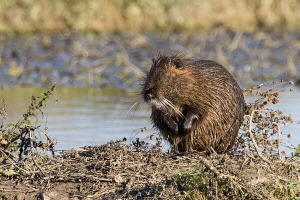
(278, 190)
(20, 139)
(297, 151)
(261, 130)
(192, 183)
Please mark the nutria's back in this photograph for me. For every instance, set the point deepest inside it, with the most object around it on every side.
(196, 105)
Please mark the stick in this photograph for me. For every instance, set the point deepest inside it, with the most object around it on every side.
(279, 143)
(31, 145)
(253, 140)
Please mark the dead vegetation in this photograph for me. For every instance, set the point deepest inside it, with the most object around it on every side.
(20, 139)
(261, 130)
(255, 169)
(136, 16)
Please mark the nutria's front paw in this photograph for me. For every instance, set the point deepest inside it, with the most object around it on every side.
(172, 124)
(188, 124)
(189, 119)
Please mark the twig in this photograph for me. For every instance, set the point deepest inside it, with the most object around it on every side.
(31, 145)
(13, 163)
(49, 113)
(46, 134)
(279, 142)
(253, 140)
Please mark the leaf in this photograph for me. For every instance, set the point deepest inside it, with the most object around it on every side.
(9, 172)
(3, 141)
(297, 151)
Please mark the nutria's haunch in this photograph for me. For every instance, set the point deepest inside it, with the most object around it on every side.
(196, 105)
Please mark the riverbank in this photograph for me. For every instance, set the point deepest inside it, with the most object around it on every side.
(32, 16)
(115, 171)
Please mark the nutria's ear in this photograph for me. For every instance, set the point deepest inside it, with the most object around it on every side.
(179, 63)
(154, 61)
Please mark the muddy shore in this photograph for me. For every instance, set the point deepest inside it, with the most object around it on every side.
(114, 171)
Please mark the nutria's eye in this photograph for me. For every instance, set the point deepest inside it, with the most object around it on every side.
(178, 64)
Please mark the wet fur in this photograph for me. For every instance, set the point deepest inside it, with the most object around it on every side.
(196, 105)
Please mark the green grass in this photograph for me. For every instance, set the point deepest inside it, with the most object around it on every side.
(194, 184)
(52, 16)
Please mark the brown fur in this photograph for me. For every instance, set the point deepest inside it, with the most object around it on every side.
(196, 105)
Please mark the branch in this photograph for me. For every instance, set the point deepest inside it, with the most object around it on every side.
(253, 139)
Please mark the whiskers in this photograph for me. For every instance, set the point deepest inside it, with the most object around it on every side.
(163, 104)
(138, 105)
(166, 104)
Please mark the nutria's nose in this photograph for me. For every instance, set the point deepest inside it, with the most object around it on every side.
(148, 95)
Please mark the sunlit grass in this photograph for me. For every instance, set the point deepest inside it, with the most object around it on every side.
(141, 15)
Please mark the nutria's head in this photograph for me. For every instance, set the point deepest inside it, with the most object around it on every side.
(167, 78)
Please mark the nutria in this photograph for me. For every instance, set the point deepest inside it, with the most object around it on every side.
(196, 105)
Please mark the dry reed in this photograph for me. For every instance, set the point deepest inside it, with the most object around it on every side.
(140, 15)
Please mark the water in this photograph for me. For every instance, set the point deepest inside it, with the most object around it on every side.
(83, 116)
(92, 116)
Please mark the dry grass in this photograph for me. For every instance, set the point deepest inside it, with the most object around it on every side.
(141, 15)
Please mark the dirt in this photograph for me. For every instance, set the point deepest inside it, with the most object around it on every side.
(118, 171)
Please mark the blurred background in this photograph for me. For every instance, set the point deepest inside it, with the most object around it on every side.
(98, 50)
